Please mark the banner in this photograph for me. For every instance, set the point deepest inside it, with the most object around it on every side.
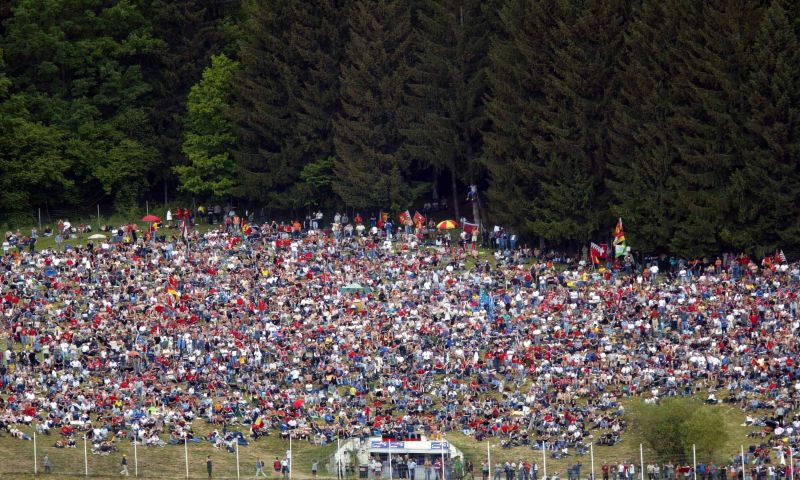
(470, 227)
(619, 240)
(598, 253)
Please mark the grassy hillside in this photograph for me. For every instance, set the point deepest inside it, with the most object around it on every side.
(16, 456)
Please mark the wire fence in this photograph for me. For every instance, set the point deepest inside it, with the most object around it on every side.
(52, 455)
(49, 455)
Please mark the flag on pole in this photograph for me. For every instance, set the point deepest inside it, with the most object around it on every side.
(780, 256)
(619, 240)
(598, 253)
(404, 217)
(382, 218)
(419, 219)
(470, 227)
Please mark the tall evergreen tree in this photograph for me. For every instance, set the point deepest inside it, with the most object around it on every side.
(711, 109)
(519, 58)
(371, 165)
(318, 35)
(575, 121)
(264, 102)
(445, 104)
(561, 127)
(766, 187)
(192, 31)
(642, 156)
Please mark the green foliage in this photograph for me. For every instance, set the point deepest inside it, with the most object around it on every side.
(766, 186)
(209, 134)
(370, 162)
(192, 31)
(681, 117)
(674, 425)
(641, 144)
(319, 174)
(445, 104)
(76, 75)
(286, 96)
(514, 105)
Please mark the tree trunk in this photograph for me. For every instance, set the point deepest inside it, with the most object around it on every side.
(455, 195)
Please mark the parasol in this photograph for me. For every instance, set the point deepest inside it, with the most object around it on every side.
(447, 225)
(151, 218)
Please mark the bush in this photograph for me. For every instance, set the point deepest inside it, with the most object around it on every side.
(673, 425)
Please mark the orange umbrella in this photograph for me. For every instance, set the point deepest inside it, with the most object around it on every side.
(447, 225)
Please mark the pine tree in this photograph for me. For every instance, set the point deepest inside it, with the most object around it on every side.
(445, 104)
(267, 154)
(575, 120)
(519, 57)
(318, 36)
(766, 187)
(710, 112)
(642, 157)
(371, 166)
(192, 31)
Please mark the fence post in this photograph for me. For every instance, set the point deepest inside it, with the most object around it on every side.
(544, 461)
(591, 452)
(85, 458)
(135, 460)
(791, 463)
(186, 453)
(98, 217)
(237, 459)
(40, 218)
(694, 461)
(35, 459)
(641, 462)
(744, 475)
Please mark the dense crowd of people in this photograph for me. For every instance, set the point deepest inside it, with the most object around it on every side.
(333, 332)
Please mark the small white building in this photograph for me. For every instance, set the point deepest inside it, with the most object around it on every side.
(378, 450)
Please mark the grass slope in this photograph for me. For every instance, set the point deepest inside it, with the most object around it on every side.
(16, 456)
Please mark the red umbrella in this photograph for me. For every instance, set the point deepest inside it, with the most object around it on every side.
(151, 218)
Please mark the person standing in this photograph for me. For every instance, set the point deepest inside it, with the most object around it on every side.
(484, 470)
(32, 240)
(209, 465)
(46, 464)
(260, 468)
(124, 471)
(412, 468)
(314, 467)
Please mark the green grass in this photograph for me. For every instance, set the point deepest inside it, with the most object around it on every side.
(159, 462)
(625, 451)
(168, 461)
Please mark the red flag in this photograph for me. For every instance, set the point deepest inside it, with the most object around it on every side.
(418, 218)
(470, 227)
(598, 252)
(382, 219)
(404, 217)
